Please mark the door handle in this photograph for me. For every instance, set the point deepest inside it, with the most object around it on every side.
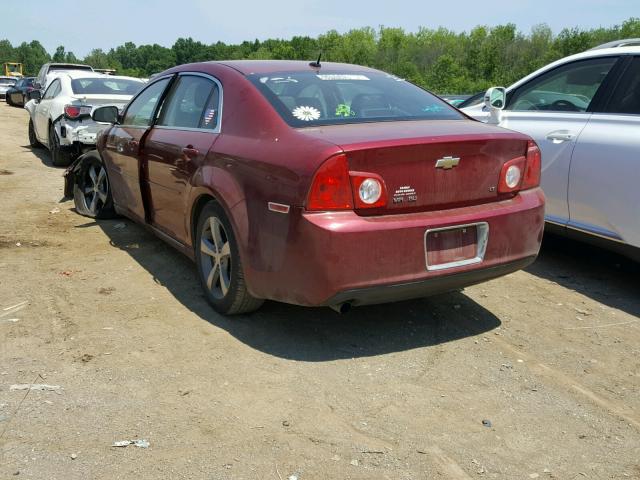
(190, 151)
(560, 136)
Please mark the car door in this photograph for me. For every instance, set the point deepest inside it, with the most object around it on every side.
(187, 127)
(554, 108)
(41, 116)
(122, 148)
(605, 166)
(15, 93)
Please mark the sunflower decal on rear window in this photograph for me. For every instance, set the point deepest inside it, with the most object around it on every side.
(306, 113)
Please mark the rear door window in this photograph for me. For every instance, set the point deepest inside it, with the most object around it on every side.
(192, 104)
(626, 97)
(52, 90)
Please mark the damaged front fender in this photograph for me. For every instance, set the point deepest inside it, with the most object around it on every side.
(72, 173)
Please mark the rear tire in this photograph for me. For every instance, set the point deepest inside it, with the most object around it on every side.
(218, 261)
(92, 190)
(59, 156)
(33, 140)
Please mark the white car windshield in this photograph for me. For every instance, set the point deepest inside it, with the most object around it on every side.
(105, 86)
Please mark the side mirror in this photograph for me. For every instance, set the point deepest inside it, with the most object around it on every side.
(108, 114)
(494, 101)
(34, 95)
(495, 98)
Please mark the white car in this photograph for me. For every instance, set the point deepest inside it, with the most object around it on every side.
(61, 117)
(5, 84)
(584, 113)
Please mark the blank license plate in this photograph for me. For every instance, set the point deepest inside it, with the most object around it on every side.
(451, 247)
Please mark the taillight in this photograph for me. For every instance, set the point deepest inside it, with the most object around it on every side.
(532, 170)
(521, 173)
(334, 187)
(76, 111)
(511, 175)
(331, 189)
(369, 190)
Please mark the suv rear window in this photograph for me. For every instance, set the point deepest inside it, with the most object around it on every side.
(309, 98)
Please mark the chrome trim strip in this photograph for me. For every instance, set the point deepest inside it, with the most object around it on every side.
(555, 220)
(482, 239)
(596, 231)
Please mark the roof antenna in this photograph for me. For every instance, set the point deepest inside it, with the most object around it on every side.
(316, 64)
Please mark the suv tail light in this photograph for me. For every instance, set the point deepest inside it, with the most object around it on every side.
(334, 187)
(77, 111)
(521, 173)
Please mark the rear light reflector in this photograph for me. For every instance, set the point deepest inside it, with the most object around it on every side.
(331, 189)
(534, 164)
(76, 111)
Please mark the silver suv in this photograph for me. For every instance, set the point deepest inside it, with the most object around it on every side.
(584, 113)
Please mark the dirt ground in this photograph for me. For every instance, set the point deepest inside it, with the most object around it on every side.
(547, 358)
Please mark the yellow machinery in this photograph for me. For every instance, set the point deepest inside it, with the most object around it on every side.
(11, 69)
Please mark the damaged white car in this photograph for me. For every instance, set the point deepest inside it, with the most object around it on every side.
(61, 117)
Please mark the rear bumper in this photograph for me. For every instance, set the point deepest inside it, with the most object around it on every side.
(330, 257)
(425, 288)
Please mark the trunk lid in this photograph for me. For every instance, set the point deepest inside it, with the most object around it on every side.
(428, 165)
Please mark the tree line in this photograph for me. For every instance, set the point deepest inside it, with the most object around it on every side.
(440, 60)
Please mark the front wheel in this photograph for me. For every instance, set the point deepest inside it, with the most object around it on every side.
(91, 189)
(59, 156)
(218, 261)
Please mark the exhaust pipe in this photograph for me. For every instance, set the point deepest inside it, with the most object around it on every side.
(341, 307)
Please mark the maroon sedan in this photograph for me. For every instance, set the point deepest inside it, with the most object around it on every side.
(329, 184)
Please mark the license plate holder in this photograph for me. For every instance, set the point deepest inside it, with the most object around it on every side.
(456, 245)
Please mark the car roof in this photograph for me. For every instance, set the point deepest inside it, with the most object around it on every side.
(247, 67)
(599, 52)
(76, 74)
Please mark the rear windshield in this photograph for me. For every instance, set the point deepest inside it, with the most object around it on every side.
(7, 81)
(105, 86)
(309, 98)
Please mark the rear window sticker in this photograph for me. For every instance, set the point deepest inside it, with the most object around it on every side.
(306, 113)
(342, 77)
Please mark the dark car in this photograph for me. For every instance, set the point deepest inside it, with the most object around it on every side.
(331, 185)
(17, 95)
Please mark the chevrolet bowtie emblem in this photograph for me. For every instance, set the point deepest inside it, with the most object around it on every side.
(447, 162)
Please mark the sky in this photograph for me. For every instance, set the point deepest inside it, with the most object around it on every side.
(84, 25)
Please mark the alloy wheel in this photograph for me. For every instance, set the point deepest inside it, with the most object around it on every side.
(216, 257)
(96, 188)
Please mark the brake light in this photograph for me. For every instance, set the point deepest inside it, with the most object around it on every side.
(534, 164)
(76, 111)
(331, 189)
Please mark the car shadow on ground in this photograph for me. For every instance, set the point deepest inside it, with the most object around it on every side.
(601, 275)
(42, 153)
(308, 334)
